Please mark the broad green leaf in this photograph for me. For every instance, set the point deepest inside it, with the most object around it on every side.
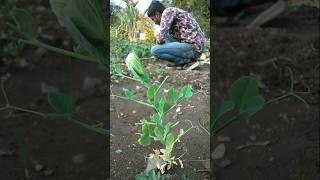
(25, 23)
(146, 129)
(61, 103)
(163, 105)
(129, 94)
(253, 105)
(226, 106)
(158, 132)
(242, 90)
(186, 92)
(144, 140)
(170, 139)
(173, 94)
(58, 7)
(134, 65)
(84, 22)
(151, 94)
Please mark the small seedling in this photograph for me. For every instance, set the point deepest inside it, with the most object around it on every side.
(154, 127)
(244, 98)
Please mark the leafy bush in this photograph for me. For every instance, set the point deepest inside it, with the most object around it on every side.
(121, 48)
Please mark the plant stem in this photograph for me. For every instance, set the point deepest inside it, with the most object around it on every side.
(161, 84)
(278, 98)
(140, 102)
(4, 92)
(173, 106)
(101, 131)
(58, 50)
(224, 125)
(128, 77)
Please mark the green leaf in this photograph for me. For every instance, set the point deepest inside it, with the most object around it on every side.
(61, 103)
(146, 129)
(163, 105)
(226, 106)
(165, 177)
(253, 105)
(129, 94)
(169, 142)
(174, 95)
(170, 139)
(186, 92)
(242, 90)
(25, 23)
(156, 119)
(85, 23)
(158, 132)
(151, 94)
(144, 140)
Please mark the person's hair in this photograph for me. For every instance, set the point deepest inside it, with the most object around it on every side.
(154, 7)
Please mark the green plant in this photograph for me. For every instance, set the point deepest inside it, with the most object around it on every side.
(84, 21)
(63, 105)
(152, 175)
(243, 97)
(12, 48)
(156, 128)
(120, 48)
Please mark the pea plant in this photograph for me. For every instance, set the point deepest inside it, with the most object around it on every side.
(244, 99)
(85, 23)
(155, 127)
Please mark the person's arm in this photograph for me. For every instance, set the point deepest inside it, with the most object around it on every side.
(167, 19)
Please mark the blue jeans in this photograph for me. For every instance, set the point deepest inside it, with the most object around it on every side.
(174, 51)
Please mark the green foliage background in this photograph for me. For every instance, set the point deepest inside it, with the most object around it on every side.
(198, 8)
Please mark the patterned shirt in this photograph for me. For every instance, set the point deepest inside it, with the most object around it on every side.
(182, 26)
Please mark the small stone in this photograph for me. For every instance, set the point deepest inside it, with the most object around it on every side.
(219, 151)
(178, 109)
(118, 151)
(38, 167)
(134, 111)
(6, 152)
(253, 138)
(271, 159)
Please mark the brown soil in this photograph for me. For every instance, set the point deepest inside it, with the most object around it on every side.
(66, 151)
(124, 115)
(291, 40)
